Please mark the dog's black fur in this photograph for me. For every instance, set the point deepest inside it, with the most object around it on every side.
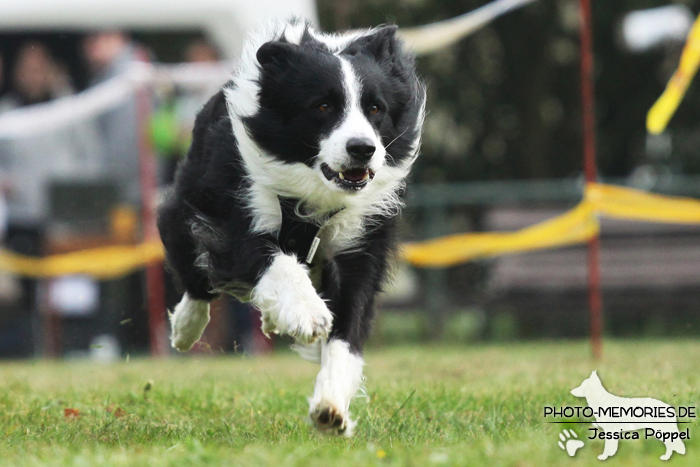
(206, 223)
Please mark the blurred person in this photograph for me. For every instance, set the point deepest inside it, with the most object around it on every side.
(173, 121)
(169, 134)
(32, 160)
(109, 55)
(35, 78)
(201, 51)
(3, 185)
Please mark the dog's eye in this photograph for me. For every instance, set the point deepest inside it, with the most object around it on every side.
(324, 107)
(374, 109)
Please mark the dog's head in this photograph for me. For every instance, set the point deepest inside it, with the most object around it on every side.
(589, 385)
(344, 109)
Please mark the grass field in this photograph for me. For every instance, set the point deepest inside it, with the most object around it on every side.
(466, 406)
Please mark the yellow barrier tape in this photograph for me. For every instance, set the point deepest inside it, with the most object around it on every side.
(664, 108)
(627, 203)
(101, 263)
(575, 226)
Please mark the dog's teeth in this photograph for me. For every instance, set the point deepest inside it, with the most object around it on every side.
(366, 176)
(340, 174)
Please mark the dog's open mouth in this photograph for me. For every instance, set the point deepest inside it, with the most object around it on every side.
(355, 178)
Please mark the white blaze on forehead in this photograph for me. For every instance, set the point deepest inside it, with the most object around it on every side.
(353, 124)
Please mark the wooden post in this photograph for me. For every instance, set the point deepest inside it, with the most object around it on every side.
(436, 290)
(591, 173)
(155, 281)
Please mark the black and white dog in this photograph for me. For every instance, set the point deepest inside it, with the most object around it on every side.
(289, 195)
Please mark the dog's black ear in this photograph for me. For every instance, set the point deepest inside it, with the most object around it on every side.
(381, 44)
(275, 51)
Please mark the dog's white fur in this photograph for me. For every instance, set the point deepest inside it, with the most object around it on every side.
(336, 384)
(596, 397)
(289, 303)
(188, 322)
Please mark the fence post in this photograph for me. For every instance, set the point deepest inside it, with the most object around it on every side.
(436, 289)
(591, 172)
(155, 281)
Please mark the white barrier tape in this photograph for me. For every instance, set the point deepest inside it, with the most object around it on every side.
(434, 36)
(192, 74)
(57, 114)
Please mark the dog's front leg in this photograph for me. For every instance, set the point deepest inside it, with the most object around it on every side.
(336, 384)
(289, 303)
(351, 283)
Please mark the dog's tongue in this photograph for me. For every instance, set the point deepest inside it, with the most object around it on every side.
(355, 175)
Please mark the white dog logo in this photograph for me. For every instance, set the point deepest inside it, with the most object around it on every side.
(615, 415)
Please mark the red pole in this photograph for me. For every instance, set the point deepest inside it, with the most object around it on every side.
(591, 172)
(155, 282)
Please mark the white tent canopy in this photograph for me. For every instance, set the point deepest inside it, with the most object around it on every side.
(225, 22)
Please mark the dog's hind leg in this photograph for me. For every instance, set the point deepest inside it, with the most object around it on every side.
(336, 384)
(191, 315)
(188, 322)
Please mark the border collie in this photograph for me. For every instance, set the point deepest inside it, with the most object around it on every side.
(289, 195)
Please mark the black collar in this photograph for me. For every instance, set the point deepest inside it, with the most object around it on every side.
(297, 234)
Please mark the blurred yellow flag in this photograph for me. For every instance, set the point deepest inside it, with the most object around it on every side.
(664, 108)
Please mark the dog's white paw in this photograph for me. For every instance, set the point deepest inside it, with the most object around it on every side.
(327, 418)
(188, 322)
(268, 324)
(289, 303)
(307, 321)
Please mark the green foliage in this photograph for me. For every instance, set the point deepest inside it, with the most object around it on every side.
(424, 406)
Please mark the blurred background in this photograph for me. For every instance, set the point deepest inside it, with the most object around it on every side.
(97, 103)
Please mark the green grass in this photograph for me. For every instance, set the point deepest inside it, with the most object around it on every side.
(477, 405)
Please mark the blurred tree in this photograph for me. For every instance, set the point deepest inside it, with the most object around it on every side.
(505, 103)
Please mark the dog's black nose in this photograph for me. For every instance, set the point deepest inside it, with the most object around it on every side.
(360, 148)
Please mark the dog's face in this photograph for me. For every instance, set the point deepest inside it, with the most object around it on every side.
(587, 386)
(346, 115)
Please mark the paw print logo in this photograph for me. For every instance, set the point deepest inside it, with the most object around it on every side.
(569, 443)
